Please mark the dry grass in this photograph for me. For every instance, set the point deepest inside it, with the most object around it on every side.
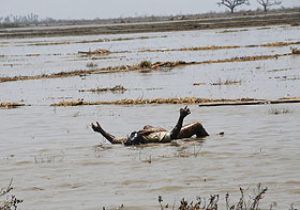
(115, 89)
(91, 65)
(278, 44)
(252, 201)
(214, 47)
(227, 82)
(10, 201)
(184, 100)
(10, 105)
(199, 83)
(144, 65)
(95, 52)
(278, 111)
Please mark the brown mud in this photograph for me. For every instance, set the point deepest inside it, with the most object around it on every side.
(145, 65)
(185, 100)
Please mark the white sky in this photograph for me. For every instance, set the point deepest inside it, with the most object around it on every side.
(76, 9)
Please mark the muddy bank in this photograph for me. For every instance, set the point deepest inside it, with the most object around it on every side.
(222, 21)
(144, 66)
(185, 100)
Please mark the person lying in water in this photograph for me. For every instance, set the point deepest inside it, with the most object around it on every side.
(150, 134)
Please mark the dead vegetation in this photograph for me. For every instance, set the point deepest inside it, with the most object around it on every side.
(232, 31)
(10, 105)
(212, 203)
(10, 202)
(227, 82)
(252, 201)
(214, 47)
(184, 100)
(199, 83)
(115, 89)
(144, 65)
(278, 111)
(91, 65)
(279, 44)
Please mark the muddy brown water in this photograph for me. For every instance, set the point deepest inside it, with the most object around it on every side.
(57, 162)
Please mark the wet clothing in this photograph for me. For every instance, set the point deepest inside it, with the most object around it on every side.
(152, 137)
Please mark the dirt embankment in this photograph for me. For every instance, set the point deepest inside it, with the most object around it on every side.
(291, 17)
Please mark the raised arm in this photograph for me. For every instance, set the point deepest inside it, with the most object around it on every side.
(111, 138)
(176, 130)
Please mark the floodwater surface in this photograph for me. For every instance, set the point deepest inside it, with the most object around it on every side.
(57, 161)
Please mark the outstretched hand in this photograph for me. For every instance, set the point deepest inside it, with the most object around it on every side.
(96, 127)
(185, 111)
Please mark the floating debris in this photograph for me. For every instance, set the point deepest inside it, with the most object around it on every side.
(91, 65)
(227, 82)
(10, 105)
(95, 52)
(199, 83)
(295, 51)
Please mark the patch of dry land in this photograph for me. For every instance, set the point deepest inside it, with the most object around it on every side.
(183, 23)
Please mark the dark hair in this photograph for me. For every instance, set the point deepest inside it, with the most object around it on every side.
(134, 139)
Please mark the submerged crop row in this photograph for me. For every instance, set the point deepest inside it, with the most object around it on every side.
(144, 66)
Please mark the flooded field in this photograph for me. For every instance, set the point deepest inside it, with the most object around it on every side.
(57, 162)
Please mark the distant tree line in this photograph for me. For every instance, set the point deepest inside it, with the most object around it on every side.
(17, 20)
(232, 4)
(33, 19)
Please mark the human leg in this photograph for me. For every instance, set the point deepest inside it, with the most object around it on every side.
(192, 129)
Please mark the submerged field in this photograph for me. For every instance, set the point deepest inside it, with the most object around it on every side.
(57, 162)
